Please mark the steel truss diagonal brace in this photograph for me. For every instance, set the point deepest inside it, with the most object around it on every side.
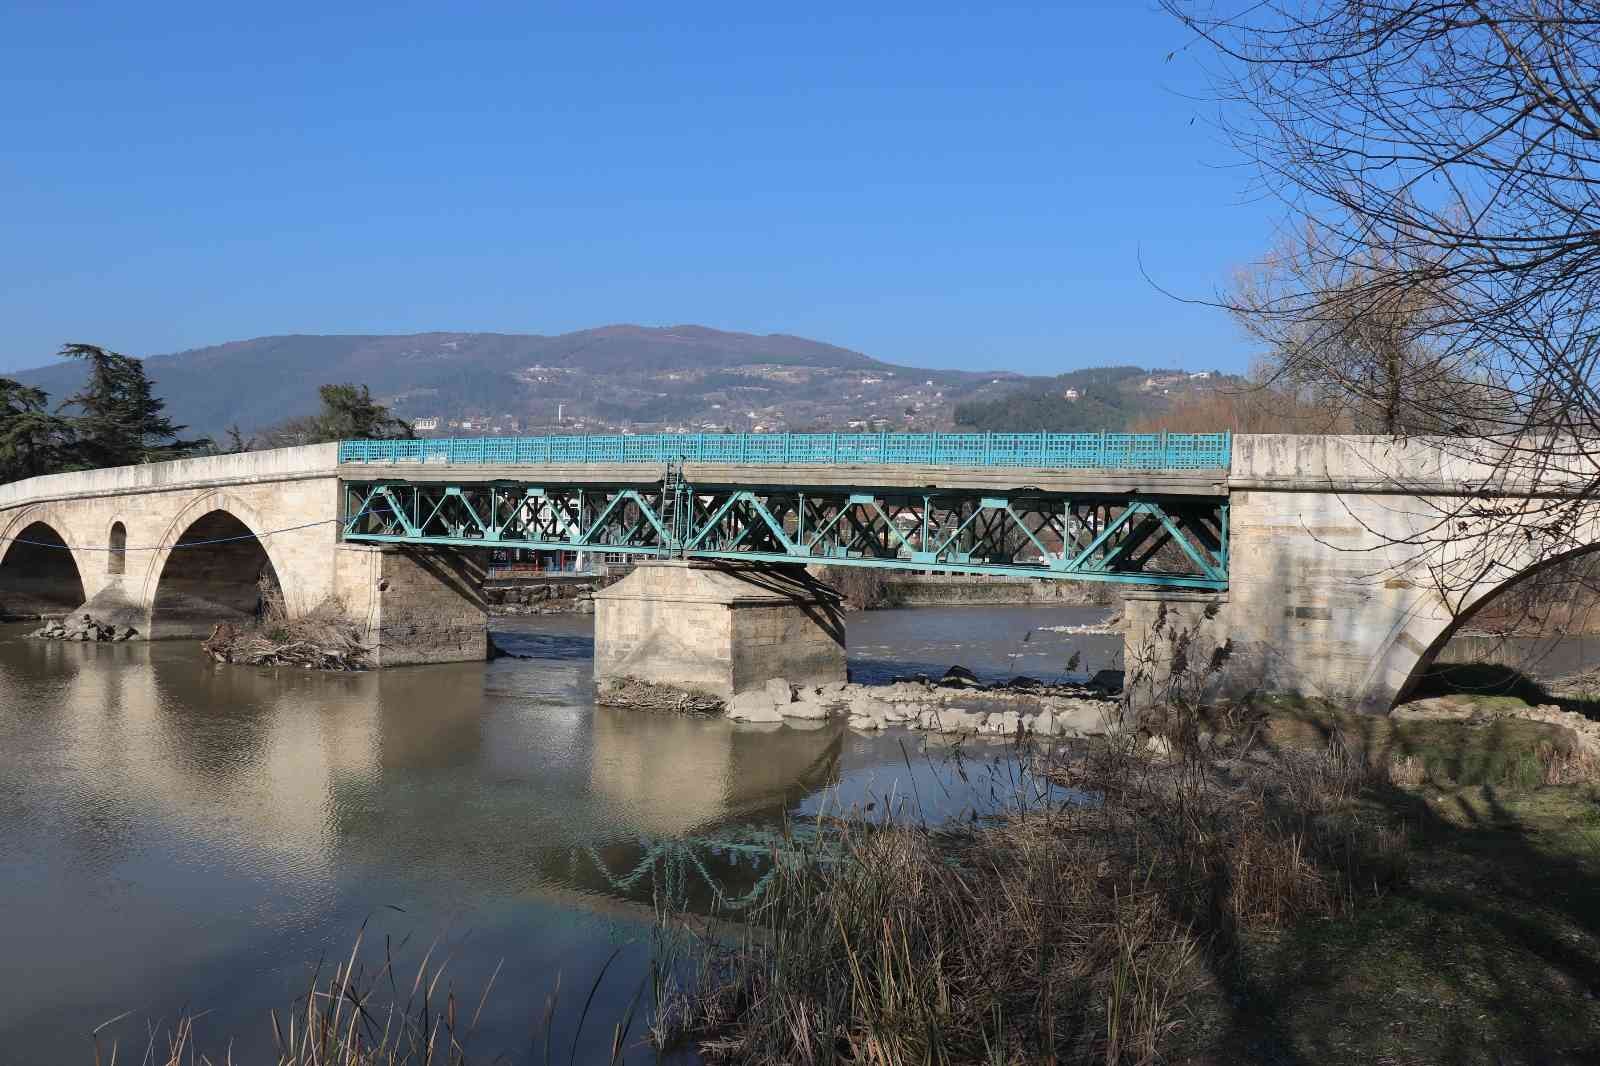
(1131, 539)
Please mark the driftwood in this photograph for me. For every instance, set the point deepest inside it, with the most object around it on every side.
(637, 695)
(314, 644)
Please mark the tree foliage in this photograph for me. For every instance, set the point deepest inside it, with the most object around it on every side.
(1101, 403)
(1364, 356)
(120, 420)
(117, 420)
(348, 413)
(32, 440)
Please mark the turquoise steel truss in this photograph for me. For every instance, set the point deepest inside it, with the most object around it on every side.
(1178, 541)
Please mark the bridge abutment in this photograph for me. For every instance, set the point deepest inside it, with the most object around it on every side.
(717, 628)
(415, 605)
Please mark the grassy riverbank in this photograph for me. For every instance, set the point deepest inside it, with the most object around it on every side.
(1310, 892)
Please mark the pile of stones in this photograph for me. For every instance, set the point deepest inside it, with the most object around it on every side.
(85, 629)
(956, 705)
(541, 599)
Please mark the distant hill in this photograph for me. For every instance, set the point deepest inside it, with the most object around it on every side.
(669, 379)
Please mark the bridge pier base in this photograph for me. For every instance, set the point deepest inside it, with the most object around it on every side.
(717, 628)
(1176, 645)
(416, 605)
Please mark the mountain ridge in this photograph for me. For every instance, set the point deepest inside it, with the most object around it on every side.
(622, 376)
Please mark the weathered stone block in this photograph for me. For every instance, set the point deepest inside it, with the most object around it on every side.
(719, 628)
(418, 605)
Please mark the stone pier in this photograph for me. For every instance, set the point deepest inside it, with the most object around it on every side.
(1170, 648)
(717, 628)
(415, 605)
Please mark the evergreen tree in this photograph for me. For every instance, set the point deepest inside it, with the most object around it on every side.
(32, 440)
(120, 420)
(350, 413)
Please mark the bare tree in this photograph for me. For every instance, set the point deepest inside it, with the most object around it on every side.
(1363, 353)
(1442, 159)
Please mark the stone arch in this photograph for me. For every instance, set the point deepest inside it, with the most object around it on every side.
(39, 572)
(209, 568)
(1421, 633)
(117, 549)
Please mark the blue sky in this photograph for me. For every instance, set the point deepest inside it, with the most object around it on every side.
(947, 186)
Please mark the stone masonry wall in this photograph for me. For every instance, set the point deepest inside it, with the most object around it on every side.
(803, 643)
(716, 629)
(417, 605)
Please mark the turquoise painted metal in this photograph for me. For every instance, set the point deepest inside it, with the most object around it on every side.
(1115, 535)
(1056, 451)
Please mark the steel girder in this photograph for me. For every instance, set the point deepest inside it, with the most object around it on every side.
(1178, 541)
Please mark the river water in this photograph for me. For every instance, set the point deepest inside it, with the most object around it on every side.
(176, 834)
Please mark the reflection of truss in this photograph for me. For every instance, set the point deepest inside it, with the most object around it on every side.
(670, 867)
(1135, 539)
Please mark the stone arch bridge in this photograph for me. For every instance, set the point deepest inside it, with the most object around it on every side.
(1293, 548)
(172, 549)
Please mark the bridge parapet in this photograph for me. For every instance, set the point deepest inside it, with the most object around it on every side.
(1052, 451)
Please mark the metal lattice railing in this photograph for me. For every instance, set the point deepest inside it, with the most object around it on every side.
(1062, 451)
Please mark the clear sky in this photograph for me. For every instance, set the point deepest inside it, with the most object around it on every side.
(943, 185)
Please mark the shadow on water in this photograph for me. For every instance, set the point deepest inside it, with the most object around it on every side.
(551, 647)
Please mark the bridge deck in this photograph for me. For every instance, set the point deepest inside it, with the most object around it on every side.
(1132, 508)
(864, 477)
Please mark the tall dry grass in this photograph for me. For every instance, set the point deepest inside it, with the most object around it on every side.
(1068, 932)
(361, 1016)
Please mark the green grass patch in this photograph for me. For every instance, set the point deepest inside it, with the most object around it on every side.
(1490, 953)
(1502, 752)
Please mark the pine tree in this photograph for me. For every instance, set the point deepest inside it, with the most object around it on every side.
(350, 413)
(120, 420)
(32, 440)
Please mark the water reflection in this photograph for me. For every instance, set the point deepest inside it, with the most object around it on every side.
(669, 775)
(178, 832)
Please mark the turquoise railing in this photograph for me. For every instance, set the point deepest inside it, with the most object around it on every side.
(1062, 451)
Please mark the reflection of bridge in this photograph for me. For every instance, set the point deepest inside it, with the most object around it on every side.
(338, 776)
(1302, 542)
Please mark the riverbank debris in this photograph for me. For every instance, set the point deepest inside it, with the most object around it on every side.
(311, 643)
(633, 694)
(86, 629)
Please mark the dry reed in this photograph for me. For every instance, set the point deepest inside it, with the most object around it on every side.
(1066, 933)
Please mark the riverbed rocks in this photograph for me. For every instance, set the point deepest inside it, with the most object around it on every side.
(962, 707)
(954, 706)
(540, 600)
(85, 629)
